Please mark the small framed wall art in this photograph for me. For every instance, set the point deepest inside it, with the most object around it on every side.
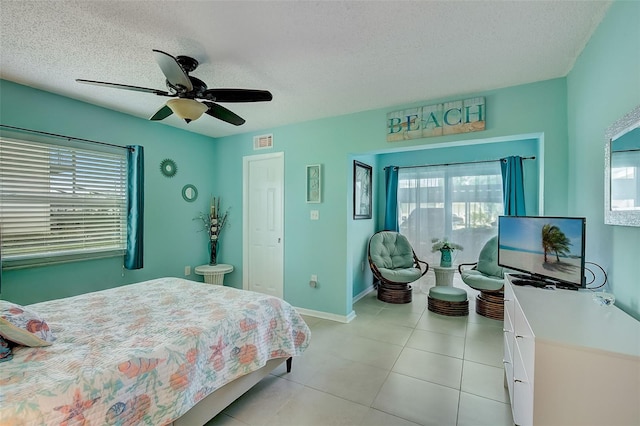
(361, 190)
(314, 183)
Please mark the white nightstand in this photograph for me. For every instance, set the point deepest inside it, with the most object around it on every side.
(214, 274)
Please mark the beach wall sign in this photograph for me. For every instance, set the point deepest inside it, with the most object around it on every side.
(447, 118)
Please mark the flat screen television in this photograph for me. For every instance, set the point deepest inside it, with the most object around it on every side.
(550, 250)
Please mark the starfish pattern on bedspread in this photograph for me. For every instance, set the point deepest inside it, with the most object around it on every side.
(75, 410)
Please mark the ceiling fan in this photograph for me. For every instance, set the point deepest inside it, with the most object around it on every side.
(188, 89)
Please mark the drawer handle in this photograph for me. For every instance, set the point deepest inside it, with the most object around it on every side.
(518, 381)
(507, 331)
(504, 361)
(519, 336)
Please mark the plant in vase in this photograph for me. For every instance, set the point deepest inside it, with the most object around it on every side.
(446, 249)
(213, 223)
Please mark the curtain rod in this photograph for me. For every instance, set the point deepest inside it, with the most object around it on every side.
(454, 164)
(64, 137)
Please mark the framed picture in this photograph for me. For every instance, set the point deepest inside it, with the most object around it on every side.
(361, 190)
(314, 183)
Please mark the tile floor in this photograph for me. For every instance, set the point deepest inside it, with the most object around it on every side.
(392, 365)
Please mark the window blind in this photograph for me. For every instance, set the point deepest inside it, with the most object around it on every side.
(60, 202)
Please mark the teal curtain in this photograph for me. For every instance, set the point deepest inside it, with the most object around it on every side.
(135, 207)
(513, 186)
(391, 208)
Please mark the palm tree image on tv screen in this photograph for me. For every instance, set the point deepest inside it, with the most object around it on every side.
(544, 246)
(554, 241)
(566, 266)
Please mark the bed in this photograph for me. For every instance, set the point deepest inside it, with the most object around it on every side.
(159, 352)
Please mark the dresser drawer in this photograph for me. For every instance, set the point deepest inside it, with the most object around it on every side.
(522, 409)
(524, 341)
(509, 299)
(556, 339)
(508, 363)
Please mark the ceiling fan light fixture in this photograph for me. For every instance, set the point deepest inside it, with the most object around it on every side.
(188, 90)
(187, 109)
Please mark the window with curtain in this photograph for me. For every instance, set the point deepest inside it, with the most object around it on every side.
(460, 202)
(61, 202)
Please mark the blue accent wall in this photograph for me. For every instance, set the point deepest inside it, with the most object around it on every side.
(603, 86)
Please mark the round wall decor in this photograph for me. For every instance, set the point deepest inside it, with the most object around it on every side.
(168, 168)
(189, 193)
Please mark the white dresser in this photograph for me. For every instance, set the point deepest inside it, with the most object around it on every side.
(569, 361)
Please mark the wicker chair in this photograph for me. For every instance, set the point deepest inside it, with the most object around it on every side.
(394, 265)
(488, 278)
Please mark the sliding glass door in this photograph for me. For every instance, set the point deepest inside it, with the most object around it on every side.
(460, 202)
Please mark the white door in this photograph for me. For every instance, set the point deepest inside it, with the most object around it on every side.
(263, 248)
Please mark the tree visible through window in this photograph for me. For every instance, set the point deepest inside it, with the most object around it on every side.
(459, 202)
(61, 202)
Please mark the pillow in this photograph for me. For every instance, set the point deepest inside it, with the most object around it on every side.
(5, 351)
(23, 326)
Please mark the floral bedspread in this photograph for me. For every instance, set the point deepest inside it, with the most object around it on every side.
(144, 353)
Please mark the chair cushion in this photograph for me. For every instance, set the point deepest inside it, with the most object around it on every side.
(448, 294)
(403, 275)
(479, 281)
(488, 259)
(391, 250)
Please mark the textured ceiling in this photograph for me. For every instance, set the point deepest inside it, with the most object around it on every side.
(319, 59)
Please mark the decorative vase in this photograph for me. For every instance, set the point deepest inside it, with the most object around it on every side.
(214, 253)
(445, 258)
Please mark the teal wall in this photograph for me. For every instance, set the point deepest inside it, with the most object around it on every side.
(334, 247)
(604, 85)
(565, 116)
(170, 237)
(361, 230)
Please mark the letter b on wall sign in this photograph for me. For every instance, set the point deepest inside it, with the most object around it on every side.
(447, 118)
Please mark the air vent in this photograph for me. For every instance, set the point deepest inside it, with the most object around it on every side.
(263, 142)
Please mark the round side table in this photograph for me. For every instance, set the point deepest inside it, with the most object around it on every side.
(444, 275)
(214, 274)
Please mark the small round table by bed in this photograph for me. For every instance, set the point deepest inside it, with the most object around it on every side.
(214, 274)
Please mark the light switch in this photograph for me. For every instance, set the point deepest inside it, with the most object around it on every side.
(315, 214)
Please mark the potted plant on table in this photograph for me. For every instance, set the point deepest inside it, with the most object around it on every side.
(446, 249)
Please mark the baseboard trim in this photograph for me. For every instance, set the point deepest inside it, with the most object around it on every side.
(334, 317)
(363, 293)
(327, 315)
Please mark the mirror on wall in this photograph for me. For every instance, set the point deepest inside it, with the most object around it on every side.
(622, 171)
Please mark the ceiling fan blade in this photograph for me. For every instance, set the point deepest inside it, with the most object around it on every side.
(172, 70)
(237, 95)
(162, 113)
(125, 86)
(221, 113)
